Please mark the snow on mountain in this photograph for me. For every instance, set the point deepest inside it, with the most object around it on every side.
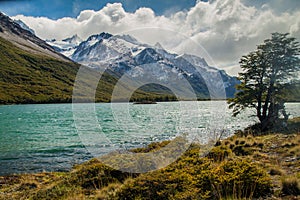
(66, 46)
(24, 26)
(75, 39)
(123, 54)
(128, 38)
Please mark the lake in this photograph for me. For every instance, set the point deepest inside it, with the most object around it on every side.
(54, 137)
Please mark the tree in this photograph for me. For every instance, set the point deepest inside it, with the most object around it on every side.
(266, 72)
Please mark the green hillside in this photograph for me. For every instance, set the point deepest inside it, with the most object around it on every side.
(33, 78)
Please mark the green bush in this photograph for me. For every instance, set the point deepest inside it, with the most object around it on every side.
(240, 179)
(200, 178)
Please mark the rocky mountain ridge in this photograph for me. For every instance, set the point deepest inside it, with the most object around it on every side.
(123, 54)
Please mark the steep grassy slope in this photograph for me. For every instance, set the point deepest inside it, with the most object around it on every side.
(32, 78)
(26, 77)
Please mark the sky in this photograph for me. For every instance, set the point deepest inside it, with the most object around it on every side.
(224, 29)
(55, 9)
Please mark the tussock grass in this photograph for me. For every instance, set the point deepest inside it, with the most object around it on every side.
(290, 186)
(240, 167)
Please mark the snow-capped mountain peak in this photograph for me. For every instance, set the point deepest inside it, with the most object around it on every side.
(123, 54)
(98, 37)
(66, 46)
(75, 39)
(128, 38)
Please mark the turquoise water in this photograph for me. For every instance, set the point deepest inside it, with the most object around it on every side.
(36, 138)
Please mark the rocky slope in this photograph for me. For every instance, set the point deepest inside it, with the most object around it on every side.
(26, 40)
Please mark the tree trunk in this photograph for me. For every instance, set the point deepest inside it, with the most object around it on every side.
(265, 115)
(259, 106)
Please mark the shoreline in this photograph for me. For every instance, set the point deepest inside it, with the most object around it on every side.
(235, 149)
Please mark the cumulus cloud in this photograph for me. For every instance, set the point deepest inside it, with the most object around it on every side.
(226, 29)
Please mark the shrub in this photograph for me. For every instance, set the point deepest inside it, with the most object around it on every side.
(200, 179)
(154, 146)
(290, 186)
(95, 175)
(241, 150)
(27, 186)
(275, 171)
(240, 179)
(159, 185)
(219, 153)
(89, 176)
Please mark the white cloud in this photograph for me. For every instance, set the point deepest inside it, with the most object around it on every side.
(226, 29)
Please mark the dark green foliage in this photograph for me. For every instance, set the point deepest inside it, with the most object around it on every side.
(268, 73)
(32, 78)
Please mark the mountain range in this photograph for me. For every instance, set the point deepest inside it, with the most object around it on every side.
(121, 55)
(38, 71)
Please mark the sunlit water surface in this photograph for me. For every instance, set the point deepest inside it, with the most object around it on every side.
(35, 138)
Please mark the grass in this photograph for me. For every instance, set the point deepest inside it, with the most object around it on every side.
(291, 186)
(239, 167)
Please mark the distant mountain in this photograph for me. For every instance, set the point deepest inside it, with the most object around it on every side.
(31, 71)
(66, 46)
(124, 55)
